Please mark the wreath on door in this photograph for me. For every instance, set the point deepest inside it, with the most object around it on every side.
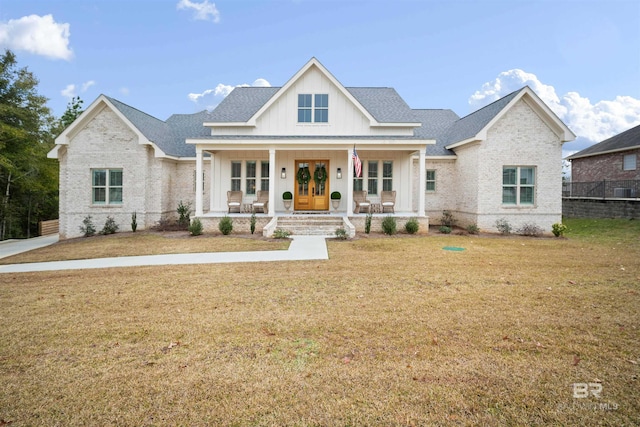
(320, 176)
(303, 175)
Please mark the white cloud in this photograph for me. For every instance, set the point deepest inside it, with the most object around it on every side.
(592, 121)
(124, 91)
(39, 35)
(72, 90)
(222, 90)
(204, 11)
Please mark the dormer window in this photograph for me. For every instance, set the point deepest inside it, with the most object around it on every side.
(314, 107)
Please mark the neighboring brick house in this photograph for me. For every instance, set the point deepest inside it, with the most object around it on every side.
(502, 161)
(615, 159)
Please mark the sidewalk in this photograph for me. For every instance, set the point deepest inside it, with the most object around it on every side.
(301, 248)
(17, 246)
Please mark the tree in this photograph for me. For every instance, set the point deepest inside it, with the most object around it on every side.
(74, 109)
(28, 180)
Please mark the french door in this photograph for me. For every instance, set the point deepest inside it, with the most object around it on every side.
(312, 185)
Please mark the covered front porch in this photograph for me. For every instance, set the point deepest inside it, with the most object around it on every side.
(310, 170)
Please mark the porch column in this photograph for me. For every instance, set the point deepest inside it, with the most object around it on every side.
(422, 177)
(199, 182)
(212, 192)
(349, 175)
(272, 182)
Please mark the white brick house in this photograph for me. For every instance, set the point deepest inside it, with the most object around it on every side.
(502, 161)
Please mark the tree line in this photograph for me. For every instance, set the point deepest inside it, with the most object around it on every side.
(28, 179)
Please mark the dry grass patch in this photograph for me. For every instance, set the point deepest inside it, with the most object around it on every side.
(388, 331)
(145, 243)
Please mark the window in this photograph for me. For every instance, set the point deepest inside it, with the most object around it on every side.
(304, 108)
(320, 108)
(387, 176)
(629, 162)
(518, 185)
(321, 112)
(357, 182)
(264, 175)
(251, 177)
(431, 180)
(106, 186)
(372, 183)
(236, 176)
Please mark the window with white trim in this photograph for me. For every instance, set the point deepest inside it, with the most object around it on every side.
(236, 176)
(357, 181)
(431, 180)
(313, 108)
(518, 185)
(250, 186)
(387, 175)
(264, 175)
(106, 186)
(629, 162)
(372, 175)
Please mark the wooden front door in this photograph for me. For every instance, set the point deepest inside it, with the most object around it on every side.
(311, 194)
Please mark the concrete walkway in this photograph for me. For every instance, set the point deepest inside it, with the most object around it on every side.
(301, 248)
(17, 246)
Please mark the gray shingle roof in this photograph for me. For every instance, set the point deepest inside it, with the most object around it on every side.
(625, 140)
(241, 104)
(384, 104)
(435, 125)
(469, 126)
(169, 136)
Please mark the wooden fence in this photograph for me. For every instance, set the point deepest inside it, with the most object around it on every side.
(48, 227)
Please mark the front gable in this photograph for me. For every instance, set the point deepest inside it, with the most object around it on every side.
(345, 114)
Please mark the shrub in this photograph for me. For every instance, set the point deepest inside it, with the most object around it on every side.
(110, 226)
(341, 234)
(503, 226)
(367, 223)
(252, 223)
(412, 226)
(444, 229)
(558, 229)
(336, 195)
(473, 229)
(225, 225)
(88, 228)
(389, 225)
(184, 210)
(287, 195)
(447, 219)
(134, 222)
(195, 228)
(530, 230)
(279, 233)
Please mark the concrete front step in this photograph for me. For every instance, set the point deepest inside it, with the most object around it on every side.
(310, 225)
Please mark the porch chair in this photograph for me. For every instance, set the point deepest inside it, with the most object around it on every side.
(362, 203)
(388, 201)
(262, 202)
(234, 201)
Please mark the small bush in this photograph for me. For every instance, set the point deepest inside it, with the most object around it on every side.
(281, 234)
(473, 229)
(336, 195)
(389, 225)
(412, 226)
(252, 223)
(367, 223)
(530, 230)
(184, 210)
(110, 226)
(558, 229)
(447, 219)
(134, 222)
(503, 226)
(225, 225)
(287, 195)
(195, 228)
(444, 229)
(87, 228)
(341, 234)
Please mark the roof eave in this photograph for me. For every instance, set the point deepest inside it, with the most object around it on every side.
(617, 150)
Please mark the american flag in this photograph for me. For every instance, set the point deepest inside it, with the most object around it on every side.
(357, 163)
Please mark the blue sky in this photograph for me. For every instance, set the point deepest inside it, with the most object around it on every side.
(182, 56)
